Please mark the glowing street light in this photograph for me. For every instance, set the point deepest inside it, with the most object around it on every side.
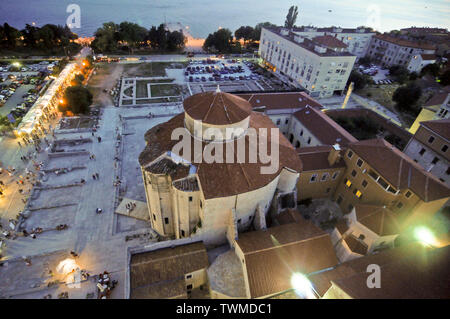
(302, 286)
(425, 236)
(16, 64)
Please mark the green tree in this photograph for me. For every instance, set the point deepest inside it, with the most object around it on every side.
(257, 33)
(245, 32)
(432, 69)
(365, 61)
(399, 72)
(291, 17)
(106, 38)
(176, 41)
(360, 80)
(132, 34)
(220, 41)
(77, 100)
(407, 96)
(445, 78)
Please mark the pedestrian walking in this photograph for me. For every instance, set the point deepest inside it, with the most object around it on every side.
(93, 176)
(19, 143)
(99, 139)
(97, 176)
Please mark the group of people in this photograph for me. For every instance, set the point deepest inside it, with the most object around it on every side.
(130, 206)
(105, 285)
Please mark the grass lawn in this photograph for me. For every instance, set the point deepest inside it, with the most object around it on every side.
(148, 68)
(381, 94)
(160, 90)
(158, 100)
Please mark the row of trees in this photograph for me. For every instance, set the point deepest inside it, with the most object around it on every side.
(48, 38)
(222, 41)
(131, 36)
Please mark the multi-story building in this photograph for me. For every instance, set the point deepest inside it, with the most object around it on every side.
(320, 65)
(189, 194)
(436, 108)
(388, 50)
(429, 147)
(379, 174)
(418, 62)
(356, 39)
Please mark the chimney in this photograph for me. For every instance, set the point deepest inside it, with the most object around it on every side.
(334, 154)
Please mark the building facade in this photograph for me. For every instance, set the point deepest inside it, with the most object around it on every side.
(189, 195)
(356, 39)
(436, 108)
(320, 65)
(429, 148)
(388, 50)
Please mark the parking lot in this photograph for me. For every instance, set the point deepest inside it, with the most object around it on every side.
(20, 85)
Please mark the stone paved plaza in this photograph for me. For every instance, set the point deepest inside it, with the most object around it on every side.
(100, 240)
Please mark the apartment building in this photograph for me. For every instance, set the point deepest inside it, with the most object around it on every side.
(320, 65)
(418, 62)
(435, 108)
(356, 39)
(388, 50)
(429, 147)
(379, 174)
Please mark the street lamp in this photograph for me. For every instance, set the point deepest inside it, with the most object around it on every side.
(425, 236)
(302, 286)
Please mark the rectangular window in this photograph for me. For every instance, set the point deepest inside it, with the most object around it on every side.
(348, 183)
(309, 140)
(349, 154)
(431, 140)
(188, 276)
(383, 183)
(353, 173)
(408, 194)
(444, 148)
(325, 176)
(182, 233)
(154, 217)
(399, 205)
(313, 178)
(278, 122)
(166, 220)
(364, 183)
(422, 151)
(286, 122)
(373, 175)
(359, 162)
(335, 175)
(190, 198)
(435, 160)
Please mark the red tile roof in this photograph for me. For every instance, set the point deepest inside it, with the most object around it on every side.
(406, 43)
(329, 41)
(273, 255)
(218, 108)
(440, 127)
(280, 100)
(427, 57)
(323, 127)
(424, 274)
(316, 158)
(378, 219)
(399, 169)
(240, 177)
(437, 99)
(322, 281)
